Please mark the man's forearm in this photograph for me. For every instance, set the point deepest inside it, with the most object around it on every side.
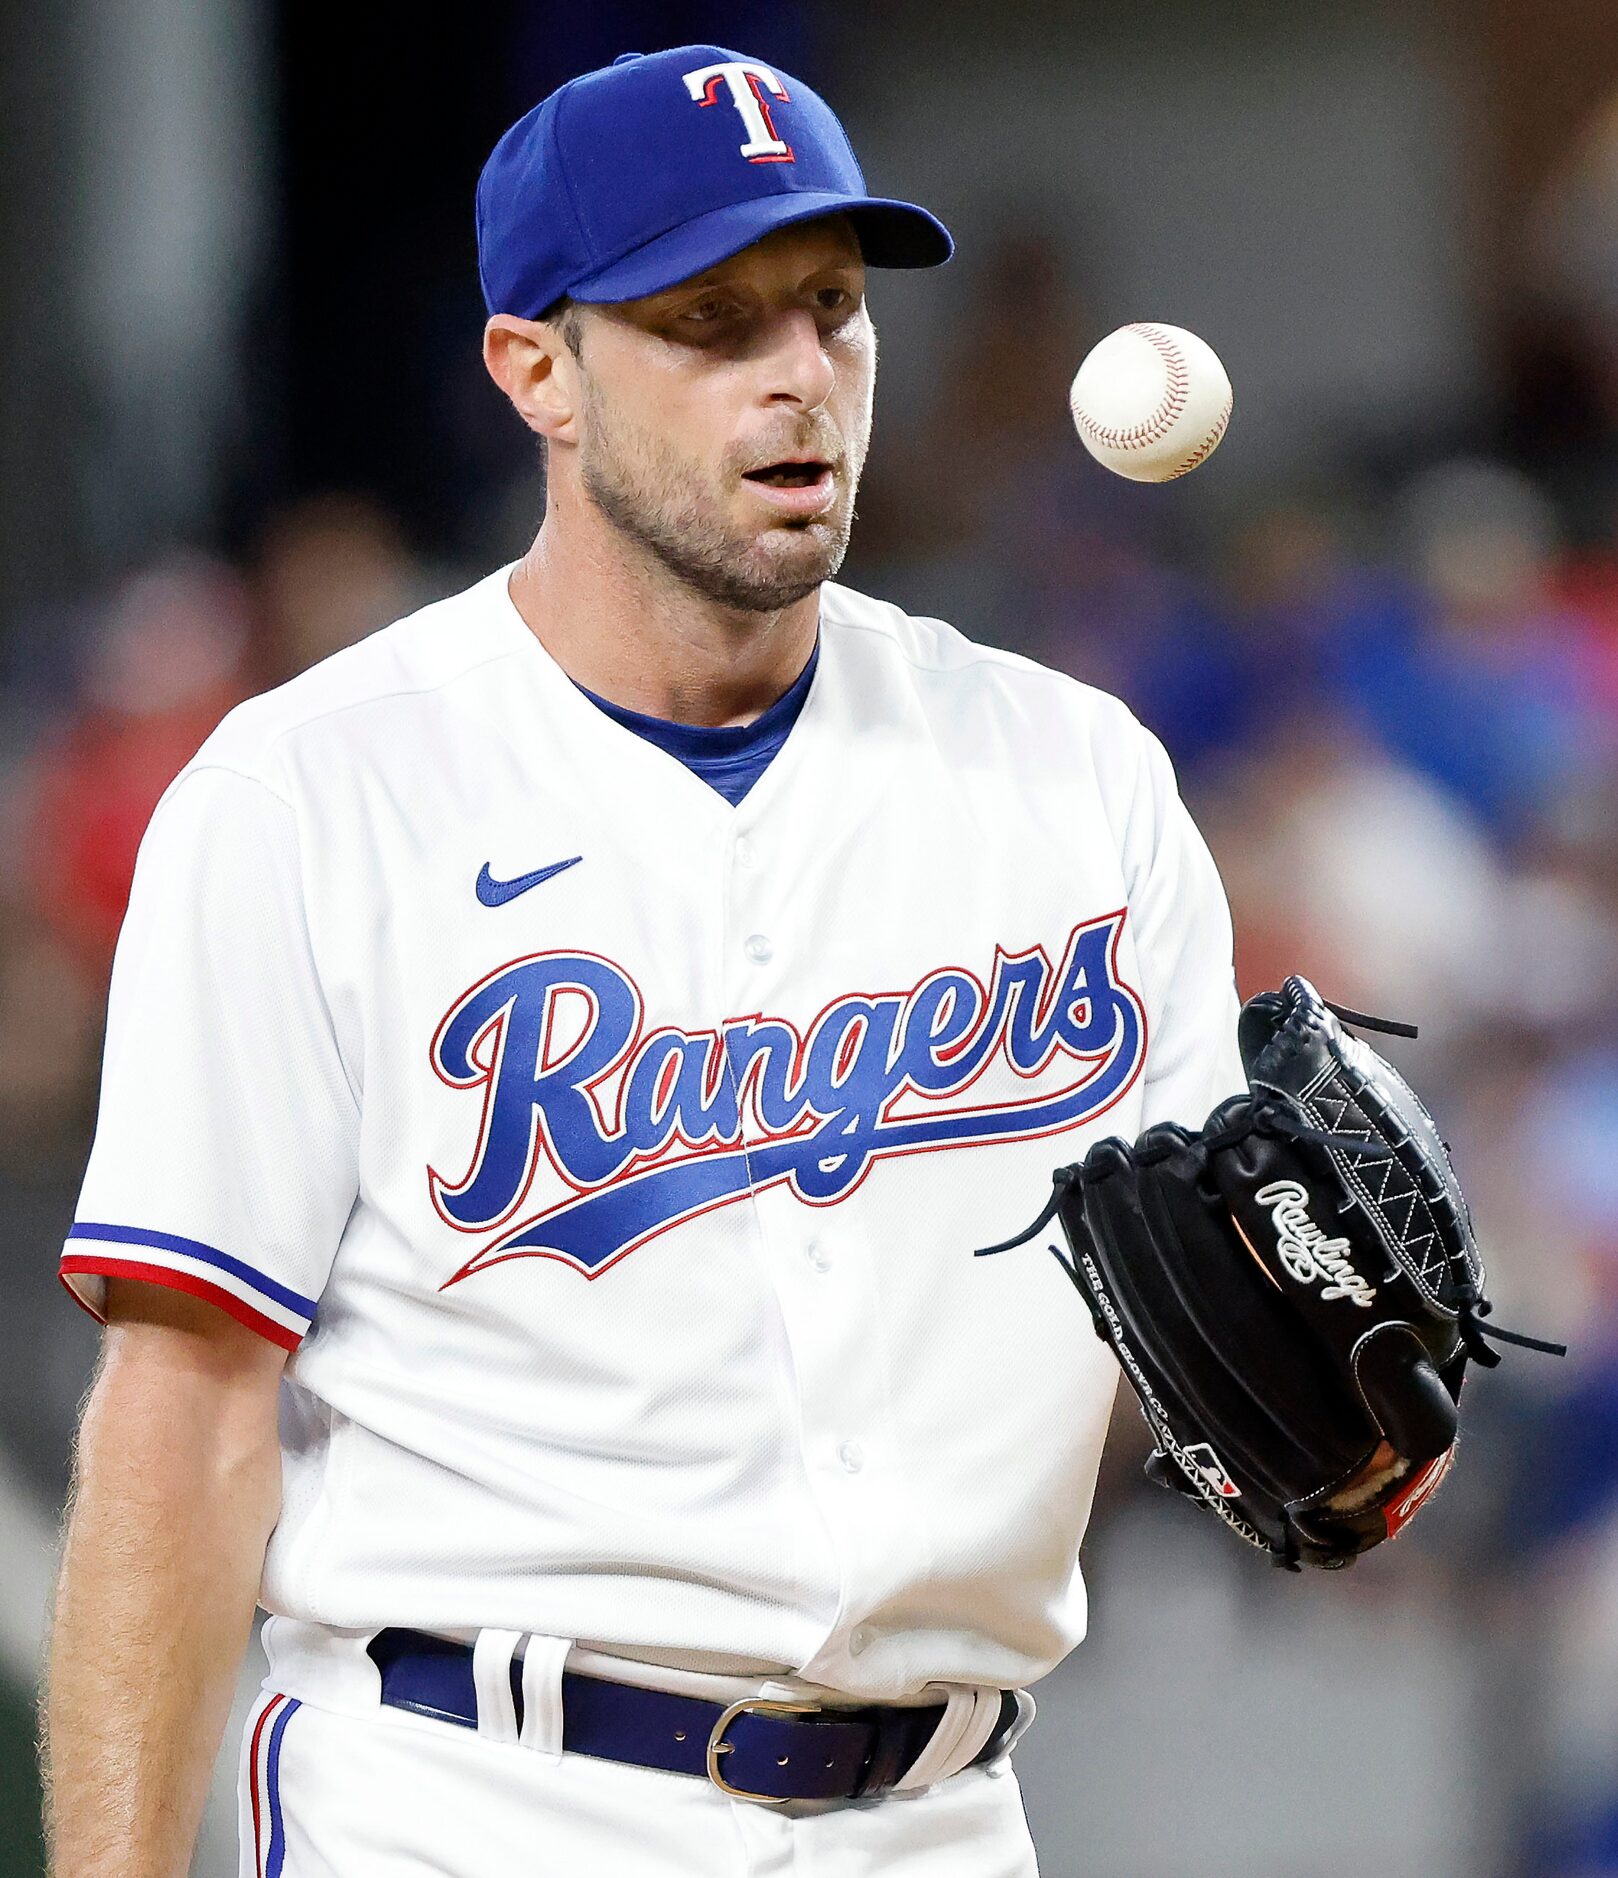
(176, 1492)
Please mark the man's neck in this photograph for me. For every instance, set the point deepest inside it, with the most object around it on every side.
(637, 636)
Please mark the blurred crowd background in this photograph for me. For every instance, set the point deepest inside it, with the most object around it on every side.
(243, 422)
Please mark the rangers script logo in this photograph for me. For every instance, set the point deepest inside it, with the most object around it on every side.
(650, 1128)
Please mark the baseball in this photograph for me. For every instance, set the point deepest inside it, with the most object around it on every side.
(1151, 401)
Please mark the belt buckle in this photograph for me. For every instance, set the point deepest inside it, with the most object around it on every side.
(718, 1745)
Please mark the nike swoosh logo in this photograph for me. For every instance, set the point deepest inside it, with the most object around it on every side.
(494, 892)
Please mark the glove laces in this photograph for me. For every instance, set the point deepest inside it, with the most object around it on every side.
(1273, 1115)
(1472, 1308)
(1266, 1115)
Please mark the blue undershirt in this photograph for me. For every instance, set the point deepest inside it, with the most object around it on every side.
(730, 757)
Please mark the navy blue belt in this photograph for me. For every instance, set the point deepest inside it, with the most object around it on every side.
(755, 1749)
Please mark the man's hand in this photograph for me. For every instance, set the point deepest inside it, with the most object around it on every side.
(176, 1491)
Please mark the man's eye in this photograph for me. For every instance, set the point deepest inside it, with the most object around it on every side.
(706, 311)
(833, 299)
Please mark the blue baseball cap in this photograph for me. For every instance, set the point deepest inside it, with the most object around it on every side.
(662, 164)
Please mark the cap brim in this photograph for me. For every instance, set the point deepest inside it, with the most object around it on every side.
(891, 234)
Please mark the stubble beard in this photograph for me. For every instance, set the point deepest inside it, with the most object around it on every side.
(661, 503)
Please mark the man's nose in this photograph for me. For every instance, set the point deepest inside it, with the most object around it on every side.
(800, 373)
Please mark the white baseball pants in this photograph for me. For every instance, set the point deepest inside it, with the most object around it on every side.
(333, 1795)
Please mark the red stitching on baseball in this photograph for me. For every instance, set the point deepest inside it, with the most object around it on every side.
(1161, 421)
(1205, 448)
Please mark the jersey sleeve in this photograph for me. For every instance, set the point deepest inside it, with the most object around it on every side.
(1184, 941)
(225, 1154)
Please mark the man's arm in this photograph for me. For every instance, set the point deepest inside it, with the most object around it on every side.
(176, 1490)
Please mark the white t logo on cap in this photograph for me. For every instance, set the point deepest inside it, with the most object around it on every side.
(747, 84)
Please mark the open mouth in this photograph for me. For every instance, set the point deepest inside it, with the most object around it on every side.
(791, 473)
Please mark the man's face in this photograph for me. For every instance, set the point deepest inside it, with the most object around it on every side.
(723, 424)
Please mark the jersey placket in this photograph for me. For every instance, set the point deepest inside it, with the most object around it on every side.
(817, 1258)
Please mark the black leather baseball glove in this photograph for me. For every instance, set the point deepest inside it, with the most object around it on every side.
(1294, 1293)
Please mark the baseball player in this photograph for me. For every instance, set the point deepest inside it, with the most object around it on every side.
(563, 1054)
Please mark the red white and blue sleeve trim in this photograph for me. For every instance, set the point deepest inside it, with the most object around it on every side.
(98, 1251)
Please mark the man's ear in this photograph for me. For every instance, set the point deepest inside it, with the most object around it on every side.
(531, 363)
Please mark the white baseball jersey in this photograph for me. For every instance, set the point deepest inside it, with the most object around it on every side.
(613, 1159)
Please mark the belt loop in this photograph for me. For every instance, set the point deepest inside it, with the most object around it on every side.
(1027, 1708)
(491, 1679)
(542, 1695)
(969, 1716)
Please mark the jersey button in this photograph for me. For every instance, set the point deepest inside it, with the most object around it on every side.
(743, 851)
(852, 1456)
(817, 1255)
(759, 949)
(859, 1641)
